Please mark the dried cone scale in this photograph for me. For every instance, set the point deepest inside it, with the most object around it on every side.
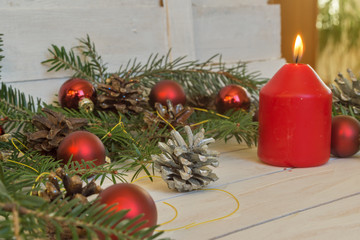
(52, 129)
(121, 95)
(73, 187)
(347, 91)
(184, 166)
(176, 116)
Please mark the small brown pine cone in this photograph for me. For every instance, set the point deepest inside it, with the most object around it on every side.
(121, 95)
(177, 116)
(52, 129)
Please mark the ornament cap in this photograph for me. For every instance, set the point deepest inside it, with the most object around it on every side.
(86, 104)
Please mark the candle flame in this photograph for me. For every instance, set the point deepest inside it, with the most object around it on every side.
(298, 49)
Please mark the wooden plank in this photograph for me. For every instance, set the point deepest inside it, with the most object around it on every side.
(45, 89)
(264, 198)
(241, 32)
(267, 68)
(338, 220)
(48, 4)
(229, 3)
(180, 28)
(120, 32)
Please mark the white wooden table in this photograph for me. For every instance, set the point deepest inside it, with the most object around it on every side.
(264, 202)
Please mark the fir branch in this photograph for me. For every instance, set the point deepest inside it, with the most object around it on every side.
(87, 63)
(16, 108)
(50, 219)
(63, 60)
(239, 125)
(201, 80)
(88, 49)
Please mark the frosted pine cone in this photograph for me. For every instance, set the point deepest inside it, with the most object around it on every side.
(183, 165)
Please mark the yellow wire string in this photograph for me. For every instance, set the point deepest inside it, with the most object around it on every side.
(12, 141)
(38, 178)
(195, 124)
(165, 120)
(120, 123)
(217, 114)
(23, 165)
(176, 214)
(147, 176)
(194, 224)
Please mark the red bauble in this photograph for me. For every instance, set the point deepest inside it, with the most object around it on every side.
(132, 197)
(167, 89)
(2, 130)
(81, 145)
(345, 133)
(77, 93)
(232, 97)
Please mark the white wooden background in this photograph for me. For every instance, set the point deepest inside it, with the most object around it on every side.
(246, 30)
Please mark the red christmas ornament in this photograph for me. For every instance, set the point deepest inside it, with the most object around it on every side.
(77, 93)
(2, 131)
(232, 97)
(132, 197)
(81, 145)
(167, 89)
(345, 133)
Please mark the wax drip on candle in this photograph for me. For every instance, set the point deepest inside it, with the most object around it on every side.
(298, 49)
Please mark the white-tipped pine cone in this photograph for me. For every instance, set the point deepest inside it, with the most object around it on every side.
(184, 166)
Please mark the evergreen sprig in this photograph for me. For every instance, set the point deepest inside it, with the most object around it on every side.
(32, 217)
(128, 140)
(201, 80)
(16, 109)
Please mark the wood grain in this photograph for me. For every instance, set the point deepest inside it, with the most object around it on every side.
(275, 203)
(126, 29)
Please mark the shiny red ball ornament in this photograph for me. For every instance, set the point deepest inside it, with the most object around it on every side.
(232, 97)
(132, 197)
(81, 145)
(345, 133)
(2, 131)
(77, 93)
(167, 89)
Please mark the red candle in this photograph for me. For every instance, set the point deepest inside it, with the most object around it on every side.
(295, 118)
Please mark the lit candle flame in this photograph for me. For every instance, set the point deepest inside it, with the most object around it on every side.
(298, 49)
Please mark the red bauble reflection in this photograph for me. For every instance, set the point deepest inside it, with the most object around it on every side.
(167, 89)
(2, 130)
(132, 197)
(345, 133)
(81, 145)
(75, 90)
(232, 97)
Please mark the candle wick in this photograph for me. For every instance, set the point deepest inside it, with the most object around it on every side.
(297, 59)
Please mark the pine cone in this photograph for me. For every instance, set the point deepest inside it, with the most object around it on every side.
(347, 91)
(175, 116)
(184, 166)
(120, 95)
(52, 129)
(73, 187)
